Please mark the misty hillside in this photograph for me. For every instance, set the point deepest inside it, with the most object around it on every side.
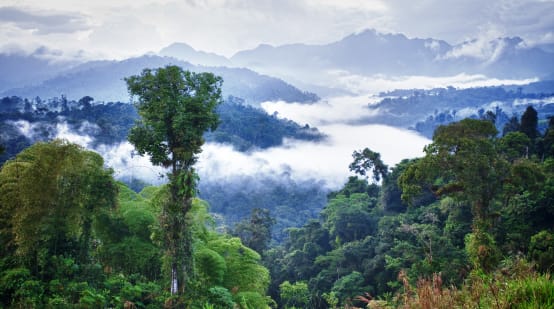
(24, 122)
(104, 79)
(424, 110)
(370, 52)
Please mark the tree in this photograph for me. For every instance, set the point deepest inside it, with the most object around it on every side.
(176, 108)
(514, 145)
(255, 233)
(85, 102)
(511, 126)
(529, 123)
(462, 162)
(367, 160)
(50, 194)
(296, 294)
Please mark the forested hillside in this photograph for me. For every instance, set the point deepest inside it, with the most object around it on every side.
(25, 121)
(424, 110)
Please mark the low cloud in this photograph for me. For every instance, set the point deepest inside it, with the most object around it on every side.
(63, 131)
(127, 164)
(327, 161)
(328, 111)
(361, 84)
(303, 161)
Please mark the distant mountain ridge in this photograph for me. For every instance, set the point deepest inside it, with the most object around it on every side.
(367, 53)
(185, 52)
(370, 52)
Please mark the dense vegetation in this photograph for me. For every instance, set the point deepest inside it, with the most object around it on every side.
(457, 227)
(91, 242)
(90, 247)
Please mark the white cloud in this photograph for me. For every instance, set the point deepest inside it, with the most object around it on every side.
(64, 132)
(127, 164)
(487, 46)
(227, 26)
(325, 112)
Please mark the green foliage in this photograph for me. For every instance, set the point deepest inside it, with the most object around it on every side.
(176, 108)
(514, 145)
(349, 286)
(331, 299)
(211, 265)
(50, 194)
(246, 127)
(529, 123)
(474, 197)
(293, 295)
(220, 298)
(290, 202)
(541, 250)
(349, 219)
(126, 245)
(255, 233)
(482, 250)
(250, 300)
(531, 292)
(513, 286)
(123, 268)
(368, 160)
(244, 273)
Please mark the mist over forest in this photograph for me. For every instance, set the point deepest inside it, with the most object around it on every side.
(356, 173)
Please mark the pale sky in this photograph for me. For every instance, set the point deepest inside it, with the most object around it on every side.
(123, 28)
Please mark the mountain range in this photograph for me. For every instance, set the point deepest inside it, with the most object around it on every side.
(370, 53)
(367, 53)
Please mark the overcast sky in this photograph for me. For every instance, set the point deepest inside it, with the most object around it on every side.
(122, 28)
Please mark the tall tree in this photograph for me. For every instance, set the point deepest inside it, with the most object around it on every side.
(366, 161)
(255, 232)
(176, 108)
(529, 123)
(464, 158)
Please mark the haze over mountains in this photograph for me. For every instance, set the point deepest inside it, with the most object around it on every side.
(312, 67)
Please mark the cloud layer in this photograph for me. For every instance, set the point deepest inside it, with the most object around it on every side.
(124, 28)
